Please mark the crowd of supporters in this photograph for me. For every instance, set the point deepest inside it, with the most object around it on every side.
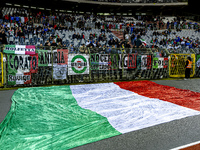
(19, 23)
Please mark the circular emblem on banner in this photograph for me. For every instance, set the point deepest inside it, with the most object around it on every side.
(79, 64)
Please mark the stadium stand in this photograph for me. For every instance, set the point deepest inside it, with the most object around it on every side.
(22, 27)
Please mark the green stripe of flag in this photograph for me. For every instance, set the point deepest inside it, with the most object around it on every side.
(50, 118)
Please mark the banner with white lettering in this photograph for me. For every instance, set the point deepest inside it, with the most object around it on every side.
(58, 57)
(100, 61)
(20, 49)
(145, 62)
(198, 61)
(129, 61)
(59, 72)
(20, 68)
(78, 64)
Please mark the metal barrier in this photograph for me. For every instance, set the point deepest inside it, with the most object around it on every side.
(177, 65)
(31, 66)
(34, 66)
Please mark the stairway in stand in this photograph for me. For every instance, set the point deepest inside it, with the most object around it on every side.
(119, 34)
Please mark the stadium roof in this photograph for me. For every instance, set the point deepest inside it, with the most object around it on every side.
(103, 7)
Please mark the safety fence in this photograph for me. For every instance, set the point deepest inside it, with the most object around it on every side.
(25, 65)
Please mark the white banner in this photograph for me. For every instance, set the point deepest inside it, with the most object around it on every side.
(198, 63)
(78, 64)
(60, 72)
(144, 62)
(160, 62)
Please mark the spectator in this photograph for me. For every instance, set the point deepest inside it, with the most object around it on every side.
(74, 36)
(54, 43)
(3, 37)
(83, 49)
(138, 42)
(47, 43)
(59, 40)
(128, 45)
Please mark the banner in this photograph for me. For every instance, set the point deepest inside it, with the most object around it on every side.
(20, 49)
(20, 68)
(129, 61)
(145, 62)
(60, 72)
(46, 58)
(100, 61)
(78, 64)
(198, 61)
(160, 62)
(114, 61)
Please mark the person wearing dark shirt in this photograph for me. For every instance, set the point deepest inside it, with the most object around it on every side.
(78, 36)
(47, 43)
(188, 67)
(3, 38)
(74, 36)
(59, 40)
(128, 45)
(138, 42)
(54, 43)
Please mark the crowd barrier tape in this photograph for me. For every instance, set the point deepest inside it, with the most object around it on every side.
(177, 64)
(26, 65)
(1, 70)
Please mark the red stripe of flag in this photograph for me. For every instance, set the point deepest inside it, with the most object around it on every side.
(185, 98)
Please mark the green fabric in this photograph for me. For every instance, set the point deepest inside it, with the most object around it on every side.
(50, 118)
(44, 58)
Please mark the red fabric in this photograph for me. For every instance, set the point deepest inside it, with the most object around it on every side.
(185, 98)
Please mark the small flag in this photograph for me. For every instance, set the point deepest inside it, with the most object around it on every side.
(143, 42)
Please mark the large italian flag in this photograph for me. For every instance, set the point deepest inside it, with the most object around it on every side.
(63, 117)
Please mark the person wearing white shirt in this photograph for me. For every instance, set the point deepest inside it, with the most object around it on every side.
(87, 43)
(169, 46)
(177, 46)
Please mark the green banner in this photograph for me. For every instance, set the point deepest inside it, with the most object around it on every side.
(155, 62)
(198, 61)
(44, 58)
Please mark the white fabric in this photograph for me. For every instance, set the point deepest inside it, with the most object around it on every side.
(125, 110)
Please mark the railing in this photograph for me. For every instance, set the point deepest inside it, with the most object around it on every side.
(34, 66)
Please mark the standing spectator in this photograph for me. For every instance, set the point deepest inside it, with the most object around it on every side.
(47, 43)
(188, 67)
(83, 49)
(59, 40)
(54, 43)
(74, 36)
(3, 37)
(138, 42)
(6, 18)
